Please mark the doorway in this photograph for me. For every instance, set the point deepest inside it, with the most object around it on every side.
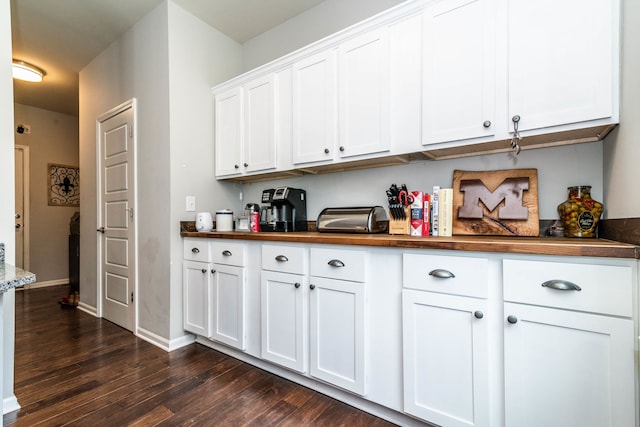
(117, 237)
(22, 206)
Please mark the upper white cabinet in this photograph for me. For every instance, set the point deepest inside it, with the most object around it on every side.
(363, 66)
(246, 127)
(260, 124)
(228, 132)
(459, 70)
(561, 61)
(314, 108)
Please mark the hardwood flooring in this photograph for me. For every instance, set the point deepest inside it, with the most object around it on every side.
(72, 369)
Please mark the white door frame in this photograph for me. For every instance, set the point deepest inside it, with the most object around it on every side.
(26, 261)
(131, 103)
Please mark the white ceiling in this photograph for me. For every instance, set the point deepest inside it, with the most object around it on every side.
(63, 36)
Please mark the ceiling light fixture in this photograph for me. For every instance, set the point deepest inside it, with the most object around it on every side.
(28, 72)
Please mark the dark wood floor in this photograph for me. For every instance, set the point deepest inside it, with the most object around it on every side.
(74, 369)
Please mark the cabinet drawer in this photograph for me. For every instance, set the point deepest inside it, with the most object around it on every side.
(285, 259)
(342, 264)
(229, 253)
(469, 276)
(197, 250)
(604, 289)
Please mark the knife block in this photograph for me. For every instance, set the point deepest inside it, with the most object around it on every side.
(401, 226)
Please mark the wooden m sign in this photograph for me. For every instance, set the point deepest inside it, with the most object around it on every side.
(501, 202)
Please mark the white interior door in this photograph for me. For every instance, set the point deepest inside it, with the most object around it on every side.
(22, 206)
(116, 215)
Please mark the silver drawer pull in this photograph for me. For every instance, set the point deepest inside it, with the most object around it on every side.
(195, 250)
(282, 258)
(336, 263)
(226, 253)
(442, 274)
(561, 285)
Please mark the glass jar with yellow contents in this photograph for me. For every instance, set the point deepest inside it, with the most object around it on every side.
(580, 213)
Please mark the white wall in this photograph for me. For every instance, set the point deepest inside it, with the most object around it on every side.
(134, 66)
(622, 147)
(7, 199)
(328, 17)
(199, 58)
(53, 139)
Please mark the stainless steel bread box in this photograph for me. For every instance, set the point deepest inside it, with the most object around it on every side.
(371, 219)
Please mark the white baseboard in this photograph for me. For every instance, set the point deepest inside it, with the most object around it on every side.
(89, 309)
(46, 283)
(163, 343)
(10, 404)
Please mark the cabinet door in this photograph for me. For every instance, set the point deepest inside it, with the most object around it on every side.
(196, 297)
(260, 127)
(314, 108)
(284, 319)
(337, 333)
(364, 94)
(228, 132)
(564, 368)
(228, 305)
(445, 348)
(459, 70)
(560, 61)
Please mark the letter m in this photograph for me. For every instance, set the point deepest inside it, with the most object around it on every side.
(511, 191)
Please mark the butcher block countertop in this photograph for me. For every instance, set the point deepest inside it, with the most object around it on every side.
(518, 245)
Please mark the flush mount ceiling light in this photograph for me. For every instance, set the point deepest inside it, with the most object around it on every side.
(28, 72)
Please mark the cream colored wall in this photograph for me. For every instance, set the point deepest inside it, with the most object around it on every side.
(53, 139)
(622, 147)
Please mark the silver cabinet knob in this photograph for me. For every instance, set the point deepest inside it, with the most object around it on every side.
(236, 166)
(487, 123)
(341, 148)
(512, 319)
(204, 270)
(326, 151)
(297, 285)
(478, 314)
(312, 287)
(246, 164)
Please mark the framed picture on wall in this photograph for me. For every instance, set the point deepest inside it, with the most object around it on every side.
(64, 185)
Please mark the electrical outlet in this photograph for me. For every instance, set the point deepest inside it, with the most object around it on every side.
(191, 203)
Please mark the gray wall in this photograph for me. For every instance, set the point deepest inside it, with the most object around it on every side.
(53, 139)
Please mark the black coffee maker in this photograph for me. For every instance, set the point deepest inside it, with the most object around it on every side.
(286, 210)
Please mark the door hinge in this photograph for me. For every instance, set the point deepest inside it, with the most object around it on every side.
(130, 131)
(131, 296)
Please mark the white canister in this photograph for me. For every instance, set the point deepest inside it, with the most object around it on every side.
(224, 220)
(204, 221)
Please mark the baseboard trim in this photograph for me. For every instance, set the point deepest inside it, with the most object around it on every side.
(46, 284)
(163, 343)
(10, 404)
(89, 309)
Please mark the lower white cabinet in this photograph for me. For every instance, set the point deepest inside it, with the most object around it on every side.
(446, 339)
(337, 332)
(568, 344)
(284, 319)
(196, 297)
(564, 368)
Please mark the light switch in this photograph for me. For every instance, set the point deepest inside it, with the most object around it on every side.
(191, 203)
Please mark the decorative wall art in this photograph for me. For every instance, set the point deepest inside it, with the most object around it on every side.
(64, 185)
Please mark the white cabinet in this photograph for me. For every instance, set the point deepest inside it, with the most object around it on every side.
(568, 344)
(196, 286)
(314, 89)
(247, 128)
(363, 87)
(459, 70)
(228, 132)
(445, 339)
(260, 124)
(196, 294)
(337, 330)
(228, 294)
(284, 306)
(561, 61)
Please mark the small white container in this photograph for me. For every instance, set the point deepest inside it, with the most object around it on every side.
(204, 221)
(224, 220)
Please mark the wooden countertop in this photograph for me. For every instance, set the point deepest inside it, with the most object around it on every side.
(519, 245)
